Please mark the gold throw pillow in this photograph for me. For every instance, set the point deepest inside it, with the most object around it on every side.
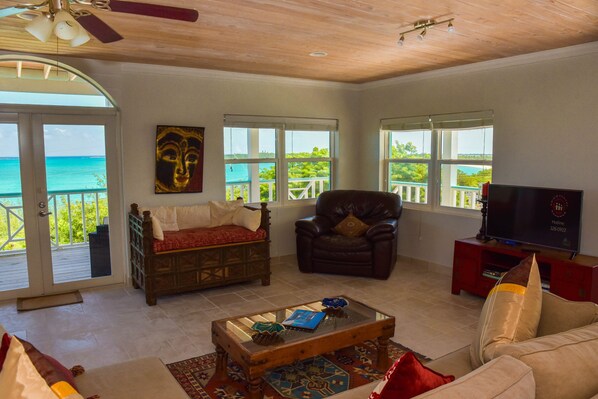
(511, 312)
(351, 226)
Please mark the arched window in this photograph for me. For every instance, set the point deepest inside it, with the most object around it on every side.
(59, 180)
(36, 81)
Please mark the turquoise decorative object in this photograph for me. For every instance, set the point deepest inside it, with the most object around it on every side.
(334, 303)
(267, 328)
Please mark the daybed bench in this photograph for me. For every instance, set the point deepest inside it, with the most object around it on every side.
(196, 258)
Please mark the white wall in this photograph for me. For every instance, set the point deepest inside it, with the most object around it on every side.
(152, 95)
(545, 130)
(545, 134)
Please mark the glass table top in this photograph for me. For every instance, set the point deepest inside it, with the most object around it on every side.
(354, 314)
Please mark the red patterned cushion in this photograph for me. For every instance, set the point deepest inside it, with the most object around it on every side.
(407, 378)
(205, 237)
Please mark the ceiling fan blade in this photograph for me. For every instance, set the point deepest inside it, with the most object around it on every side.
(99, 29)
(155, 10)
(8, 11)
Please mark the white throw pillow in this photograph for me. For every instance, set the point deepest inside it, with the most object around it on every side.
(222, 212)
(194, 216)
(157, 231)
(167, 217)
(247, 218)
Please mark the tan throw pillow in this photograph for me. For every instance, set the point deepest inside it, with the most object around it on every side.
(194, 216)
(222, 212)
(511, 312)
(166, 215)
(351, 226)
(250, 219)
(157, 231)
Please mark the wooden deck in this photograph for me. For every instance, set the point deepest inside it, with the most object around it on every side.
(69, 264)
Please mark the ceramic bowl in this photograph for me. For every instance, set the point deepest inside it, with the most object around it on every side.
(267, 328)
(334, 303)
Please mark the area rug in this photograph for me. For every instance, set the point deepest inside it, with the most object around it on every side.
(48, 301)
(313, 378)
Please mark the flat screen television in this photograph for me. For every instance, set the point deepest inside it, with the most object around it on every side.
(541, 216)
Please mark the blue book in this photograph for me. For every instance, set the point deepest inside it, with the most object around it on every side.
(304, 319)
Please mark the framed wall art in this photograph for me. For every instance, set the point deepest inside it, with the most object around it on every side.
(179, 159)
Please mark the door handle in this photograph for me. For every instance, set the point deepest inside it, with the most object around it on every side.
(44, 213)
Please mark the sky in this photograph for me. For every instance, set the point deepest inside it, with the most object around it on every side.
(76, 100)
(471, 141)
(59, 140)
(296, 141)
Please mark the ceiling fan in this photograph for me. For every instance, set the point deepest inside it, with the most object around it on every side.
(68, 23)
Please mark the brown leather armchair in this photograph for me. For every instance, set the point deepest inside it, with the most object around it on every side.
(320, 249)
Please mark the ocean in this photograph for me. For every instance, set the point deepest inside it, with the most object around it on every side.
(62, 173)
(75, 173)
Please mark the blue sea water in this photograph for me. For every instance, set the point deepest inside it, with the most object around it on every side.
(470, 170)
(62, 173)
(239, 172)
(75, 173)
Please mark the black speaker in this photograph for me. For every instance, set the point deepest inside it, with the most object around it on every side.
(99, 251)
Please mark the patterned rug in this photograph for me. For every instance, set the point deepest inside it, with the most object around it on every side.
(313, 378)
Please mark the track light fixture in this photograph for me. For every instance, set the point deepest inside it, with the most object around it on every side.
(423, 25)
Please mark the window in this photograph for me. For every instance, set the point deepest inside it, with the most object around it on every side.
(439, 160)
(271, 159)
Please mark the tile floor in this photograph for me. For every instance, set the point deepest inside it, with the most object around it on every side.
(114, 324)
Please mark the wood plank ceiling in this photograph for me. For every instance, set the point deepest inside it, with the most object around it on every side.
(275, 37)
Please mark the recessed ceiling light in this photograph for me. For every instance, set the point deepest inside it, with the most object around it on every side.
(318, 54)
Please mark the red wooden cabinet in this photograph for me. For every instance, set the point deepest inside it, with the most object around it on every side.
(477, 265)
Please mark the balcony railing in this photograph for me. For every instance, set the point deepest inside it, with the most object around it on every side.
(67, 207)
(458, 196)
(299, 188)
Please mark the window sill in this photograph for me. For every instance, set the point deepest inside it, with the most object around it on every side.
(467, 213)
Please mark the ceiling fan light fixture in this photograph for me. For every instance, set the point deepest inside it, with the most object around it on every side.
(41, 27)
(81, 38)
(65, 26)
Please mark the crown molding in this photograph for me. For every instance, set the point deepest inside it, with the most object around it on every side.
(117, 69)
(228, 76)
(524, 59)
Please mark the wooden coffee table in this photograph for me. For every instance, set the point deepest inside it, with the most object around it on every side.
(353, 324)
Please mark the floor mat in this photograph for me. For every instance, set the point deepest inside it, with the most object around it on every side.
(48, 301)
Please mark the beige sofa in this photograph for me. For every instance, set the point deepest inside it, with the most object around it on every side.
(562, 362)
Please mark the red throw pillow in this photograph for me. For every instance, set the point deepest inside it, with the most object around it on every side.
(407, 378)
(4, 348)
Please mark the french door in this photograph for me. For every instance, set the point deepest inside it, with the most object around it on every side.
(60, 223)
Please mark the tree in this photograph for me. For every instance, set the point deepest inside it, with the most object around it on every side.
(408, 172)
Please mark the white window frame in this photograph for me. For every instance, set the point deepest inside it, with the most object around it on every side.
(281, 125)
(435, 124)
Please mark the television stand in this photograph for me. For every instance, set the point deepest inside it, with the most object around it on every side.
(477, 265)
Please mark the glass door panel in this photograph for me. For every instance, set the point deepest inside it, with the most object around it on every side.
(14, 272)
(77, 206)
